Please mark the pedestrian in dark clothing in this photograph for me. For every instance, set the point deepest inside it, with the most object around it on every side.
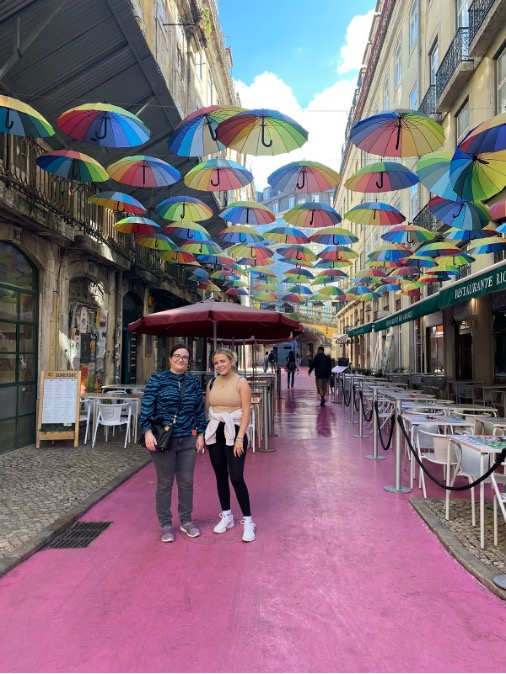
(291, 368)
(322, 366)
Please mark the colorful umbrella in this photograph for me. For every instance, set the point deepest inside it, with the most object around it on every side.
(103, 125)
(189, 231)
(297, 271)
(240, 234)
(295, 278)
(460, 214)
(263, 271)
(437, 249)
(478, 176)
(390, 252)
(247, 213)
(203, 248)
(307, 177)
(330, 274)
(286, 235)
(300, 290)
(408, 234)
(138, 226)
(293, 297)
(388, 288)
(265, 286)
(312, 214)
(375, 213)
(216, 258)
(199, 274)
(433, 169)
(455, 234)
(333, 236)
(398, 133)
(180, 256)
(216, 175)
(331, 291)
(223, 275)
(371, 273)
(119, 202)
(261, 132)
(489, 136)
(73, 166)
(183, 208)
(338, 253)
(492, 245)
(382, 176)
(359, 290)
(326, 264)
(236, 292)
(155, 241)
(209, 286)
(498, 210)
(195, 135)
(254, 251)
(20, 119)
(297, 252)
(143, 171)
(296, 261)
(444, 267)
(265, 296)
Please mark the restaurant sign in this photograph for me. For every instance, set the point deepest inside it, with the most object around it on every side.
(488, 282)
(361, 330)
(416, 310)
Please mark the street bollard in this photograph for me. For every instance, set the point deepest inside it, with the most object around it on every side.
(351, 420)
(397, 488)
(360, 433)
(335, 393)
(375, 430)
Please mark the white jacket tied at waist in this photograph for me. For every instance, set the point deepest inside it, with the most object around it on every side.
(230, 419)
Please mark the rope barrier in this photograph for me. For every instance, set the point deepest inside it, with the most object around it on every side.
(355, 403)
(391, 431)
(367, 417)
(489, 472)
(346, 404)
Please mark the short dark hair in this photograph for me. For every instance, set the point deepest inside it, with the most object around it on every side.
(181, 345)
(321, 349)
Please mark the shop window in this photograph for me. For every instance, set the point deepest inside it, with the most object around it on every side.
(435, 343)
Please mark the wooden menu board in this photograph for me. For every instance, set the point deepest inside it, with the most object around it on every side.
(59, 404)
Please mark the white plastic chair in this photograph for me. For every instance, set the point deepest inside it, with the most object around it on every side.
(431, 445)
(110, 416)
(499, 498)
(85, 415)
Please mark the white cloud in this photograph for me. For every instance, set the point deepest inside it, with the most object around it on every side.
(352, 52)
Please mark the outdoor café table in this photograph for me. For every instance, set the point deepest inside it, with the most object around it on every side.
(129, 388)
(113, 397)
(494, 424)
(487, 446)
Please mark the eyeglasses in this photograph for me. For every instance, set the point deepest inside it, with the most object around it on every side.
(178, 357)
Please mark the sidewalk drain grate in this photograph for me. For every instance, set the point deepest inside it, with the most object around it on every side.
(79, 535)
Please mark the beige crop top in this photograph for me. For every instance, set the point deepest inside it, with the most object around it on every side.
(224, 396)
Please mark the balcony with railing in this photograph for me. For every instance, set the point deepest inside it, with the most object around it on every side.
(454, 72)
(426, 218)
(486, 18)
(428, 106)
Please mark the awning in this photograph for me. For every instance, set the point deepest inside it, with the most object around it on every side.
(361, 330)
(417, 310)
(489, 281)
(341, 338)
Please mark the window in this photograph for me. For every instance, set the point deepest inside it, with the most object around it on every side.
(291, 202)
(199, 65)
(385, 96)
(462, 14)
(462, 119)
(434, 62)
(414, 202)
(315, 198)
(364, 158)
(413, 97)
(397, 67)
(209, 89)
(413, 25)
(501, 82)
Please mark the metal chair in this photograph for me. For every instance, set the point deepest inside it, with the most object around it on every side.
(111, 416)
(85, 415)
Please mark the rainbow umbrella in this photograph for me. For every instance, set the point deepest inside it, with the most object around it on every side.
(489, 136)
(368, 297)
(402, 272)
(223, 275)
(195, 135)
(390, 252)
(183, 208)
(331, 291)
(295, 278)
(364, 279)
(235, 283)
(330, 274)
(412, 285)
(265, 286)
(455, 234)
(180, 256)
(218, 175)
(371, 273)
(417, 262)
(118, 201)
(138, 226)
(338, 253)
(297, 271)
(20, 119)
(189, 231)
(460, 214)
(240, 234)
(307, 177)
(286, 235)
(295, 261)
(456, 259)
(73, 166)
(498, 210)
(382, 176)
(408, 234)
(375, 213)
(388, 288)
(446, 268)
(265, 296)
(203, 248)
(253, 250)
(261, 132)
(199, 274)
(437, 249)
(358, 290)
(103, 125)
(247, 213)
(326, 264)
(300, 290)
(478, 176)
(208, 286)
(143, 171)
(333, 236)
(433, 169)
(264, 271)
(254, 262)
(293, 297)
(312, 214)
(155, 241)
(236, 292)
(297, 251)
(397, 133)
(434, 278)
(494, 244)
(216, 258)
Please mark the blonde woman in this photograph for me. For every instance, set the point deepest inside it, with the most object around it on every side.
(228, 406)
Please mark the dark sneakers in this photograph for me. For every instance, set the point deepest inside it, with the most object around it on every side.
(322, 400)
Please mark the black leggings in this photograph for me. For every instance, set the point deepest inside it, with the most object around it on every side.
(224, 464)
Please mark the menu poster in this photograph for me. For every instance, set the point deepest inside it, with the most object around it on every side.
(59, 403)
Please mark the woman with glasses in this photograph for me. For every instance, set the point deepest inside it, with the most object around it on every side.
(167, 393)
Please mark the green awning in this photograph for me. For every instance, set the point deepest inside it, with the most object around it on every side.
(487, 282)
(417, 310)
(361, 330)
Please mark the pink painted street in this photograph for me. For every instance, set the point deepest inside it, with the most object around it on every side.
(343, 575)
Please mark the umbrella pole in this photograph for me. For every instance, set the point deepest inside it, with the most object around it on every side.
(215, 335)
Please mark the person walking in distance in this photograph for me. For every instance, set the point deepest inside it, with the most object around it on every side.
(228, 405)
(272, 360)
(291, 368)
(322, 366)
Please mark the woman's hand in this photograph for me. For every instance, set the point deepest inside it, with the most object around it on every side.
(200, 444)
(150, 441)
(238, 447)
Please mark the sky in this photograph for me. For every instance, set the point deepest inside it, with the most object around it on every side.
(301, 58)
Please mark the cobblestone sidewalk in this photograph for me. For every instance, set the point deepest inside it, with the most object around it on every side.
(43, 489)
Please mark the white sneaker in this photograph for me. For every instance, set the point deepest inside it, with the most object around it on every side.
(249, 531)
(226, 522)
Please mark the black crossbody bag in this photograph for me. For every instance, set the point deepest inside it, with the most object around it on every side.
(163, 432)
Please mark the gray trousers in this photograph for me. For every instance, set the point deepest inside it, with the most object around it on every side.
(179, 461)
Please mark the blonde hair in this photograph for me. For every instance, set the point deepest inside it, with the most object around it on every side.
(226, 352)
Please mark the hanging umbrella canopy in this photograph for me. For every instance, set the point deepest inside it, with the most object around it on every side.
(382, 176)
(252, 250)
(402, 272)
(183, 208)
(223, 274)
(375, 213)
(203, 248)
(359, 290)
(235, 283)
(20, 119)
(217, 175)
(265, 296)
(137, 225)
(444, 268)
(296, 298)
(103, 125)
(371, 273)
(304, 177)
(332, 264)
(416, 262)
(330, 274)
(331, 292)
(298, 271)
(261, 132)
(498, 210)
(460, 214)
(254, 262)
(240, 234)
(408, 234)
(298, 252)
(368, 297)
(199, 275)
(237, 292)
(179, 256)
(390, 252)
(338, 253)
(263, 271)
(388, 288)
(457, 260)
(333, 236)
(433, 169)
(190, 232)
(207, 285)
(412, 285)
(489, 136)
(195, 135)
(118, 201)
(260, 287)
(492, 245)
(437, 250)
(295, 278)
(155, 241)
(455, 234)
(214, 258)
(312, 214)
(286, 235)
(73, 166)
(143, 171)
(247, 213)
(295, 261)
(478, 176)
(300, 290)
(398, 133)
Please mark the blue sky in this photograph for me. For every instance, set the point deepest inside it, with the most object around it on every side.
(301, 58)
